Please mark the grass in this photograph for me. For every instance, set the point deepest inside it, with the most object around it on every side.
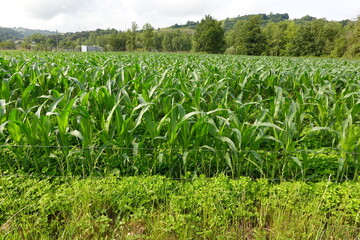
(160, 208)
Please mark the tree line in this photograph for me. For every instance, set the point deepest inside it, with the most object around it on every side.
(260, 34)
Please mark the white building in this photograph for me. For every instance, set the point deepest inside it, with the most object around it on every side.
(85, 48)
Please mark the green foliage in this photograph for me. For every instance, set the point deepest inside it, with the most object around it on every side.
(175, 41)
(189, 24)
(271, 18)
(8, 45)
(20, 33)
(311, 38)
(160, 208)
(209, 36)
(148, 37)
(352, 39)
(248, 37)
(307, 36)
(91, 114)
(113, 42)
(131, 40)
(279, 38)
(8, 34)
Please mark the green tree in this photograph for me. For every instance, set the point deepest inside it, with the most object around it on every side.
(182, 41)
(209, 36)
(8, 45)
(176, 40)
(67, 44)
(353, 39)
(158, 41)
(131, 38)
(167, 41)
(113, 41)
(35, 42)
(289, 35)
(249, 38)
(147, 37)
(331, 32)
(309, 40)
(92, 39)
(117, 41)
(37, 38)
(317, 37)
(275, 38)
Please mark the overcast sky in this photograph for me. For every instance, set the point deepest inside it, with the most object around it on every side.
(80, 15)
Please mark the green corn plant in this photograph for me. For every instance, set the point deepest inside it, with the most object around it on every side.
(173, 114)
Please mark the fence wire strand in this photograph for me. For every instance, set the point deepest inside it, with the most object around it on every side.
(327, 150)
(75, 177)
(203, 149)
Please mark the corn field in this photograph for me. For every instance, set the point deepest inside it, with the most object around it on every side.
(179, 114)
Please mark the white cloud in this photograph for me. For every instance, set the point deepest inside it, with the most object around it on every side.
(175, 8)
(48, 9)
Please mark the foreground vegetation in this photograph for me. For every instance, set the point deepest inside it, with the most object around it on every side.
(161, 208)
(178, 146)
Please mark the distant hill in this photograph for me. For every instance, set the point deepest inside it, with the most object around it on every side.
(27, 32)
(189, 24)
(20, 33)
(229, 23)
(9, 33)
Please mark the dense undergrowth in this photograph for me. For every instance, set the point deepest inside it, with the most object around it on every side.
(160, 208)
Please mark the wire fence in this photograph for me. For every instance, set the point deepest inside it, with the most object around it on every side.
(206, 149)
(75, 177)
(203, 149)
